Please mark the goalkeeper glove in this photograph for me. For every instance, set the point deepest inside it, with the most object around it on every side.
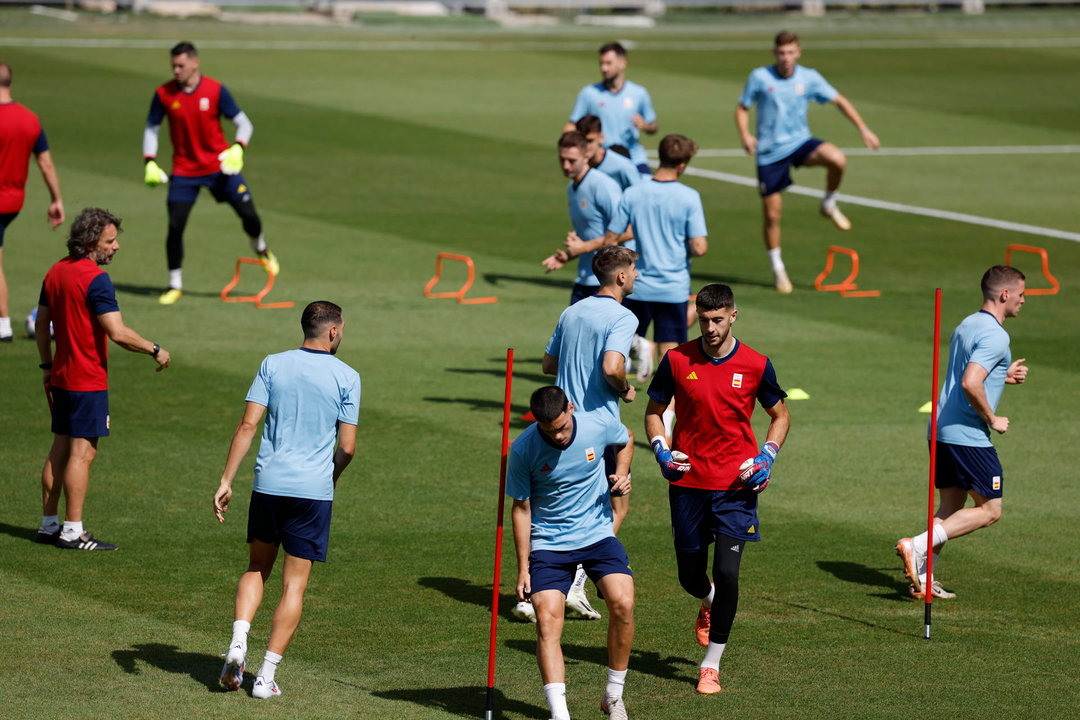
(232, 159)
(671, 468)
(754, 472)
(154, 174)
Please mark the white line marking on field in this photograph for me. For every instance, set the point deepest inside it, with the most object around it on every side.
(538, 45)
(897, 207)
(925, 151)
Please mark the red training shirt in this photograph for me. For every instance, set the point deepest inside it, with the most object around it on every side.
(20, 135)
(194, 124)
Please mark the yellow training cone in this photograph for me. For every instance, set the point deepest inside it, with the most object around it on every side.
(927, 407)
(797, 394)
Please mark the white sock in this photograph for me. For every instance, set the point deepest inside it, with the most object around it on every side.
(830, 199)
(707, 600)
(269, 666)
(616, 679)
(50, 523)
(919, 541)
(5, 326)
(579, 579)
(72, 530)
(775, 260)
(556, 700)
(258, 244)
(713, 653)
(240, 630)
(176, 280)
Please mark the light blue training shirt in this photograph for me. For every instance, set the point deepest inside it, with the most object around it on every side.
(615, 111)
(592, 202)
(664, 215)
(567, 490)
(305, 393)
(781, 108)
(586, 330)
(980, 339)
(621, 169)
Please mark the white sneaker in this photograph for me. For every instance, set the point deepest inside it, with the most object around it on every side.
(936, 589)
(838, 218)
(642, 351)
(783, 283)
(614, 708)
(264, 690)
(914, 565)
(579, 603)
(232, 674)
(524, 611)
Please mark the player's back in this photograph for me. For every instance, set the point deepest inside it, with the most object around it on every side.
(19, 133)
(620, 169)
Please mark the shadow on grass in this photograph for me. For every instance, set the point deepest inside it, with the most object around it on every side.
(465, 701)
(202, 667)
(734, 280)
(641, 661)
(495, 279)
(468, 592)
(18, 532)
(839, 616)
(862, 575)
(129, 289)
(501, 373)
(516, 411)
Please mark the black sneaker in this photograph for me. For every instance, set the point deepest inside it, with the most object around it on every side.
(47, 538)
(85, 541)
(7, 338)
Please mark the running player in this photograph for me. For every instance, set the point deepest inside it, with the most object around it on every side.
(782, 93)
(201, 158)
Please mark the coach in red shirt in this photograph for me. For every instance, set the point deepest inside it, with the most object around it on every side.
(715, 382)
(20, 136)
(77, 296)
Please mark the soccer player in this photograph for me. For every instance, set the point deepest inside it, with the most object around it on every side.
(782, 93)
(587, 354)
(311, 399)
(592, 199)
(201, 158)
(618, 167)
(715, 381)
(78, 298)
(624, 107)
(562, 517)
(21, 136)
(980, 366)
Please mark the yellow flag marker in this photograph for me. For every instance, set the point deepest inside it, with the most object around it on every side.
(927, 407)
(797, 394)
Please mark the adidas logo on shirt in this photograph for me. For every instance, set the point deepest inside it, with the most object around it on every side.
(692, 375)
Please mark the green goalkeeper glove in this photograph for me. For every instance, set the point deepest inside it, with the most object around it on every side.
(154, 174)
(232, 160)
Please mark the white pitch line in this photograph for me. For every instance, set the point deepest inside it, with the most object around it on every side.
(925, 151)
(897, 207)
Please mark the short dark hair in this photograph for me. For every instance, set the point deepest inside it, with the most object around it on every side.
(675, 150)
(5, 75)
(548, 403)
(609, 260)
(998, 278)
(573, 139)
(785, 37)
(588, 124)
(87, 230)
(318, 315)
(184, 48)
(715, 296)
(614, 47)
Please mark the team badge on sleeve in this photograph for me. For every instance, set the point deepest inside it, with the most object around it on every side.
(590, 454)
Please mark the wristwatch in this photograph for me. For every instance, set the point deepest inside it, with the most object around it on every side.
(157, 349)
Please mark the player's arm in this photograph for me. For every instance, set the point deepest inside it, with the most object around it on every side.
(779, 424)
(576, 246)
(614, 368)
(346, 436)
(550, 364)
(125, 337)
(153, 175)
(624, 455)
(697, 246)
(972, 385)
(613, 238)
(1017, 372)
(238, 449)
(868, 137)
(742, 124)
(52, 182)
(44, 340)
(569, 126)
(654, 419)
(521, 517)
(649, 128)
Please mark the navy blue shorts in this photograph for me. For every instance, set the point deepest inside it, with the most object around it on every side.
(670, 319)
(5, 220)
(225, 188)
(80, 414)
(774, 177)
(698, 516)
(555, 569)
(300, 525)
(580, 292)
(970, 468)
(644, 169)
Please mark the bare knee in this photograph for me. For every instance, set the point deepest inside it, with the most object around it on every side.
(772, 217)
(992, 513)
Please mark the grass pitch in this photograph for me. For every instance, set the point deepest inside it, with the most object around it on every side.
(373, 151)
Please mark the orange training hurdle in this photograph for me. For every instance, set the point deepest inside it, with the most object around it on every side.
(847, 288)
(258, 297)
(1054, 286)
(459, 295)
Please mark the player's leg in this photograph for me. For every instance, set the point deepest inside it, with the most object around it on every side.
(772, 206)
(834, 161)
(294, 579)
(249, 595)
(691, 537)
(52, 473)
(179, 211)
(620, 508)
(234, 190)
(610, 567)
(550, 608)
(6, 335)
(727, 557)
(641, 349)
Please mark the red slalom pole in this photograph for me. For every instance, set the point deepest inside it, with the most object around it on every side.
(498, 535)
(933, 464)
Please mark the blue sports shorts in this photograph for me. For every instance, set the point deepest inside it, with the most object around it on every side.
(644, 169)
(5, 220)
(80, 414)
(698, 516)
(580, 292)
(554, 569)
(774, 177)
(670, 319)
(225, 188)
(300, 525)
(970, 468)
